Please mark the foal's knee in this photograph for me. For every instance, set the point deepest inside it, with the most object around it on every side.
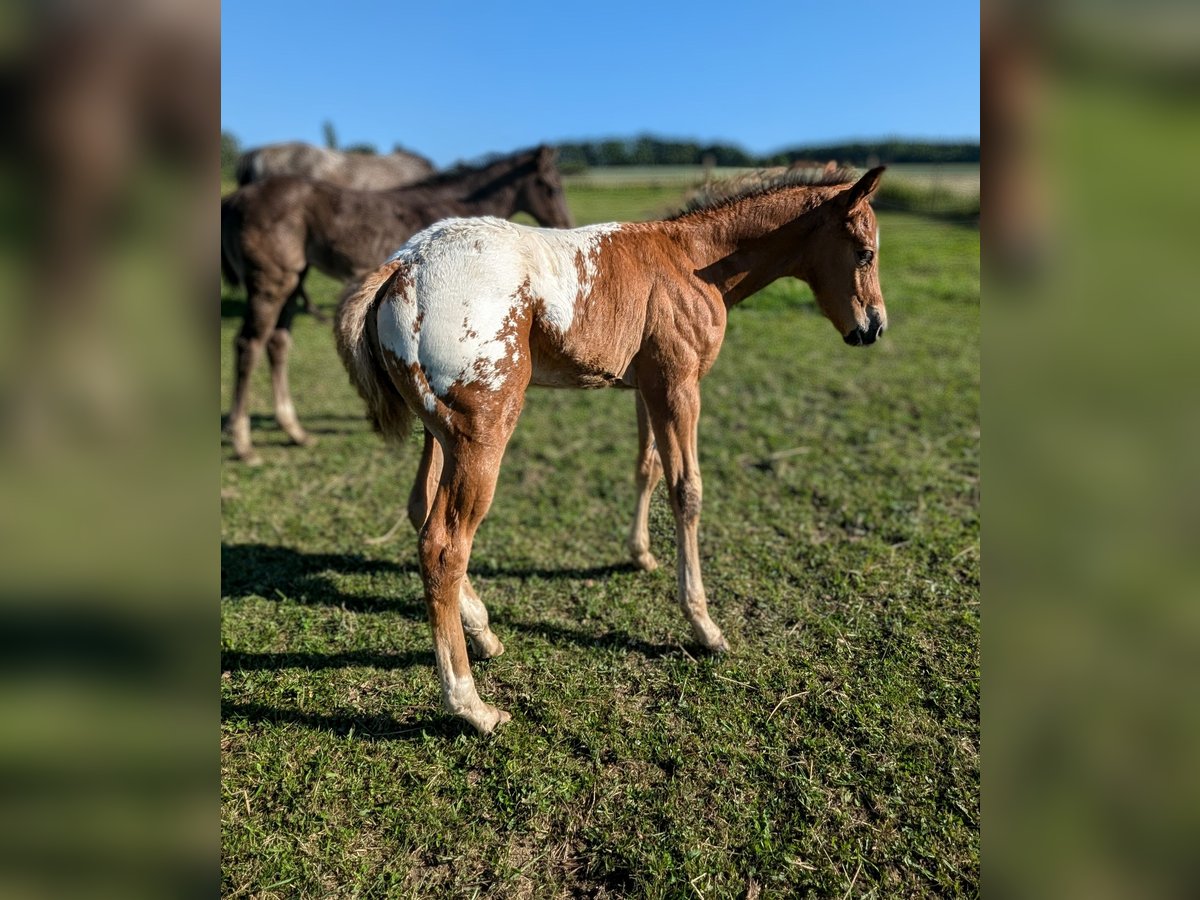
(649, 466)
(278, 342)
(442, 561)
(244, 344)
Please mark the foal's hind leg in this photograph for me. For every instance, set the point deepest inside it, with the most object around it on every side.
(278, 347)
(649, 471)
(675, 413)
(484, 643)
(266, 294)
(462, 500)
(305, 302)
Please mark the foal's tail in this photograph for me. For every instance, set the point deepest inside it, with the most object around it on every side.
(231, 222)
(248, 167)
(358, 346)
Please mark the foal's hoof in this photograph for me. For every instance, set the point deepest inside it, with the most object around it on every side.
(303, 439)
(486, 646)
(714, 643)
(488, 718)
(645, 561)
(250, 458)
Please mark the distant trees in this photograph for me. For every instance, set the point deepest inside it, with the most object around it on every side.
(231, 149)
(330, 135)
(891, 150)
(647, 150)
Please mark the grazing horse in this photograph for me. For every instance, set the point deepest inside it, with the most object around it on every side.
(360, 171)
(470, 312)
(272, 231)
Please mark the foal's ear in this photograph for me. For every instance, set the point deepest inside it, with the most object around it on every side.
(546, 153)
(863, 189)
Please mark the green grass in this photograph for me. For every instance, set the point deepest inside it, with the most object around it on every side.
(833, 752)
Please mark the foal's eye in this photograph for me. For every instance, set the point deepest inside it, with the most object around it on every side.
(865, 257)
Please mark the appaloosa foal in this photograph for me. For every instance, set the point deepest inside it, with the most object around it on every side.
(470, 312)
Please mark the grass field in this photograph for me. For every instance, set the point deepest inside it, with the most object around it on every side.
(832, 753)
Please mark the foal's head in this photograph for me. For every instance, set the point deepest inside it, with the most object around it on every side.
(843, 263)
(541, 195)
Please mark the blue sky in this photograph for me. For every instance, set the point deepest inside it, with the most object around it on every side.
(455, 80)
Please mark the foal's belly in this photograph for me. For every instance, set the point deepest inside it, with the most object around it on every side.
(555, 378)
(559, 367)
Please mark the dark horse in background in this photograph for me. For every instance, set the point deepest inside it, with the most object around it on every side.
(272, 231)
(361, 171)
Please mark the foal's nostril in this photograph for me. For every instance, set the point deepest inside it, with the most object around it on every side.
(875, 326)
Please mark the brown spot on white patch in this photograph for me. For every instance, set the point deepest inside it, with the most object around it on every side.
(469, 333)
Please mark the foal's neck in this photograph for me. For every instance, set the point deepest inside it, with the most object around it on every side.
(745, 245)
(493, 199)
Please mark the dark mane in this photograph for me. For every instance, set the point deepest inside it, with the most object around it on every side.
(760, 182)
(461, 170)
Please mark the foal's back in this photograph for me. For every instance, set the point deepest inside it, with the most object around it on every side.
(479, 302)
(292, 222)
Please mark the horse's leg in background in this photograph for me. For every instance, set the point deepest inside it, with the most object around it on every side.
(484, 643)
(463, 496)
(675, 414)
(278, 347)
(305, 302)
(266, 295)
(649, 471)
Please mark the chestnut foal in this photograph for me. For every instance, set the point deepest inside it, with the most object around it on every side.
(470, 312)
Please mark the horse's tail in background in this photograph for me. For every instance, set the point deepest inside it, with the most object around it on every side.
(358, 346)
(231, 225)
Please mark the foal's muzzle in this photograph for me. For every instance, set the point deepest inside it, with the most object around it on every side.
(862, 337)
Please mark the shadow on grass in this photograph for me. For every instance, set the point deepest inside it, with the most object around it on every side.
(619, 641)
(267, 570)
(592, 639)
(551, 573)
(240, 661)
(361, 725)
(319, 423)
(309, 578)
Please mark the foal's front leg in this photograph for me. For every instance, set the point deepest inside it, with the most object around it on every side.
(675, 414)
(649, 471)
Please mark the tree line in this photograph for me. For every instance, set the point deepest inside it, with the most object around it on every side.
(647, 150)
(652, 151)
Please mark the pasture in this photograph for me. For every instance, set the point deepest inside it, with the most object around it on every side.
(833, 752)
